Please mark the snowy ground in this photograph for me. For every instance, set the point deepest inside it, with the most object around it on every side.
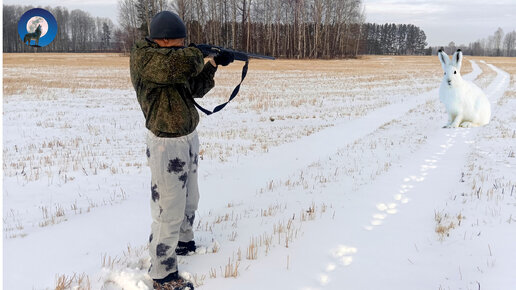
(336, 177)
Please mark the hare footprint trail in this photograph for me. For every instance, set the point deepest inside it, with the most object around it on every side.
(396, 202)
(342, 256)
(410, 182)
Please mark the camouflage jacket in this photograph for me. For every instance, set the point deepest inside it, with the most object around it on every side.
(165, 81)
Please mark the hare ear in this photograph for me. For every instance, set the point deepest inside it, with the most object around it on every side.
(457, 59)
(443, 57)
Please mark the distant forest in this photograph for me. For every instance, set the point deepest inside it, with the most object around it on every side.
(394, 39)
(281, 28)
(498, 44)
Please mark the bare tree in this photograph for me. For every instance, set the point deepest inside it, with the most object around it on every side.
(497, 41)
(128, 19)
(509, 43)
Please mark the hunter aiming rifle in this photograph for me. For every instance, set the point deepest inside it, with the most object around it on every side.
(211, 50)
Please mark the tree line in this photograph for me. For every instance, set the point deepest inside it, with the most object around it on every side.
(281, 28)
(497, 44)
(395, 39)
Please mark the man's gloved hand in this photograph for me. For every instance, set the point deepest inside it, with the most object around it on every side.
(224, 58)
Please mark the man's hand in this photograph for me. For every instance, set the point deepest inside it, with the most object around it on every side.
(224, 58)
(212, 61)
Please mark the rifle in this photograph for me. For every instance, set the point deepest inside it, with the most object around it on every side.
(211, 50)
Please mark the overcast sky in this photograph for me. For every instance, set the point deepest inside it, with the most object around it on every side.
(461, 21)
(101, 8)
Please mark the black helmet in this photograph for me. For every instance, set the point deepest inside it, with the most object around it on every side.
(167, 24)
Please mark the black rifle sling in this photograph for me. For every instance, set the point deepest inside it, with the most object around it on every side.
(233, 94)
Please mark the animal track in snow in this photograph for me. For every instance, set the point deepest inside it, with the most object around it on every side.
(407, 184)
(342, 255)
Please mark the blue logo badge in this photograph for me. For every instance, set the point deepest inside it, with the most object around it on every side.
(37, 27)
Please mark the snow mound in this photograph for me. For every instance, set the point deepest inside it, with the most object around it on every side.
(130, 271)
(127, 279)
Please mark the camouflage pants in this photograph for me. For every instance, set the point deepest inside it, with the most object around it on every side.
(174, 198)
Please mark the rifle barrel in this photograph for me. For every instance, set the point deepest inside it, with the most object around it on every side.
(252, 55)
(207, 49)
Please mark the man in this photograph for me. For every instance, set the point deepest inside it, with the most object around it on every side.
(167, 76)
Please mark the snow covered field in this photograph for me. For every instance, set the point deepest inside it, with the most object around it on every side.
(320, 175)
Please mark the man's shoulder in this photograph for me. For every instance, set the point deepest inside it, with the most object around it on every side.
(145, 46)
(141, 44)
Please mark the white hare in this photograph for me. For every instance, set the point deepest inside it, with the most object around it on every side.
(465, 102)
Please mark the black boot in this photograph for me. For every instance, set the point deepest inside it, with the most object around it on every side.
(172, 282)
(184, 249)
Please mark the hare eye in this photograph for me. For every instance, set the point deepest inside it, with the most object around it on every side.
(455, 72)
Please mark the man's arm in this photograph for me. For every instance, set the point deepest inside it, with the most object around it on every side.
(201, 84)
